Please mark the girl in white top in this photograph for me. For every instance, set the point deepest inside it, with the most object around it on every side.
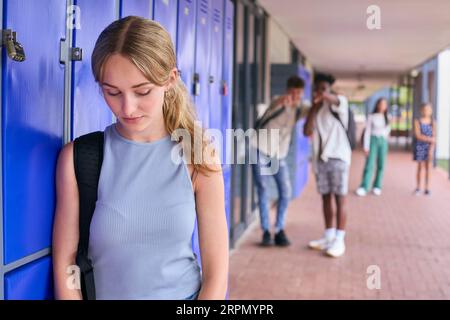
(375, 144)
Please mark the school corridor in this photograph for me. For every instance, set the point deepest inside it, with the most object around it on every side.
(234, 59)
(406, 236)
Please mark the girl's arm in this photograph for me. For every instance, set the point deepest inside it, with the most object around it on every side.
(367, 133)
(432, 142)
(418, 133)
(213, 233)
(388, 127)
(65, 228)
(434, 128)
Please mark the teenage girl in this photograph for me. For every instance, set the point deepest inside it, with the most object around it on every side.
(141, 232)
(425, 134)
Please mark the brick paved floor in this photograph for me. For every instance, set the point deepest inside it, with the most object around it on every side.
(406, 236)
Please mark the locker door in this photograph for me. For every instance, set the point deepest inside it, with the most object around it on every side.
(186, 41)
(306, 76)
(33, 281)
(201, 95)
(165, 12)
(227, 94)
(90, 111)
(302, 142)
(202, 58)
(215, 66)
(141, 8)
(32, 125)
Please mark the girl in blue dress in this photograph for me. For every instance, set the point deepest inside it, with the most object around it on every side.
(425, 134)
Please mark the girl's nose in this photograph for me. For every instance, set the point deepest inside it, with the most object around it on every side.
(129, 105)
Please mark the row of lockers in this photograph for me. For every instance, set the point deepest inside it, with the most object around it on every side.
(45, 96)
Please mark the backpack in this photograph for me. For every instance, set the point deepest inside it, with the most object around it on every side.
(264, 119)
(88, 158)
(351, 129)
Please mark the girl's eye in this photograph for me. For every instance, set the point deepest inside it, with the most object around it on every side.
(143, 93)
(113, 93)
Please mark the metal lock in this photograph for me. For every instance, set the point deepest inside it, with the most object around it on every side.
(14, 49)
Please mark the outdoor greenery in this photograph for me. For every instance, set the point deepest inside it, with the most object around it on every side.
(443, 163)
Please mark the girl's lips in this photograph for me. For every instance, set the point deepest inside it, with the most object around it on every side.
(132, 120)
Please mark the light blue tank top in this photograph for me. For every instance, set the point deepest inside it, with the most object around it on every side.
(141, 231)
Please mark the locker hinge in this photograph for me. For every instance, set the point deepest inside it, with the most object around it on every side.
(69, 53)
(76, 54)
(13, 47)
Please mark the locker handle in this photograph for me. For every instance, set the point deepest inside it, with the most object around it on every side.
(14, 49)
(224, 88)
(196, 84)
(67, 53)
(211, 79)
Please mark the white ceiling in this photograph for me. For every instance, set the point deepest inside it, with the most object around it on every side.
(333, 35)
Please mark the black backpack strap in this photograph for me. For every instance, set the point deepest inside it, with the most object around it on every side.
(88, 158)
(336, 115)
(298, 113)
(260, 123)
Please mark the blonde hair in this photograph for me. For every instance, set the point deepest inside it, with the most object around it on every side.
(149, 47)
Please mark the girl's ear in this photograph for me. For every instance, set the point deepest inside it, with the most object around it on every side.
(172, 78)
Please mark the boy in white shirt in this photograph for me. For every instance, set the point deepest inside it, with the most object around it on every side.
(331, 159)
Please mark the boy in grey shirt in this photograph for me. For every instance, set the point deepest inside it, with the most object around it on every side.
(279, 119)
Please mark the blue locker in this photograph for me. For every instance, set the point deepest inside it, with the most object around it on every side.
(201, 77)
(202, 58)
(227, 94)
(34, 281)
(215, 66)
(186, 41)
(32, 125)
(306, 76)
(302, 142)
(301, 161)
(90, 111)
(140, 8)
(165, 12)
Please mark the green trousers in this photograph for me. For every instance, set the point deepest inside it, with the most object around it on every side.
(377, 154)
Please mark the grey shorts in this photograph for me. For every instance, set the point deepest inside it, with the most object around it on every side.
(332, 177)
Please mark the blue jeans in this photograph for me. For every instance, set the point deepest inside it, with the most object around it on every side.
(283, 183)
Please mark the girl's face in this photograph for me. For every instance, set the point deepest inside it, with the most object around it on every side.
(382, 106)
(136, 103)
(427, 111)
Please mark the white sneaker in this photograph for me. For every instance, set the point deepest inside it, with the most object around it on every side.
(321, 244)
(376, 191)
(336, 249)
(361, 192)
